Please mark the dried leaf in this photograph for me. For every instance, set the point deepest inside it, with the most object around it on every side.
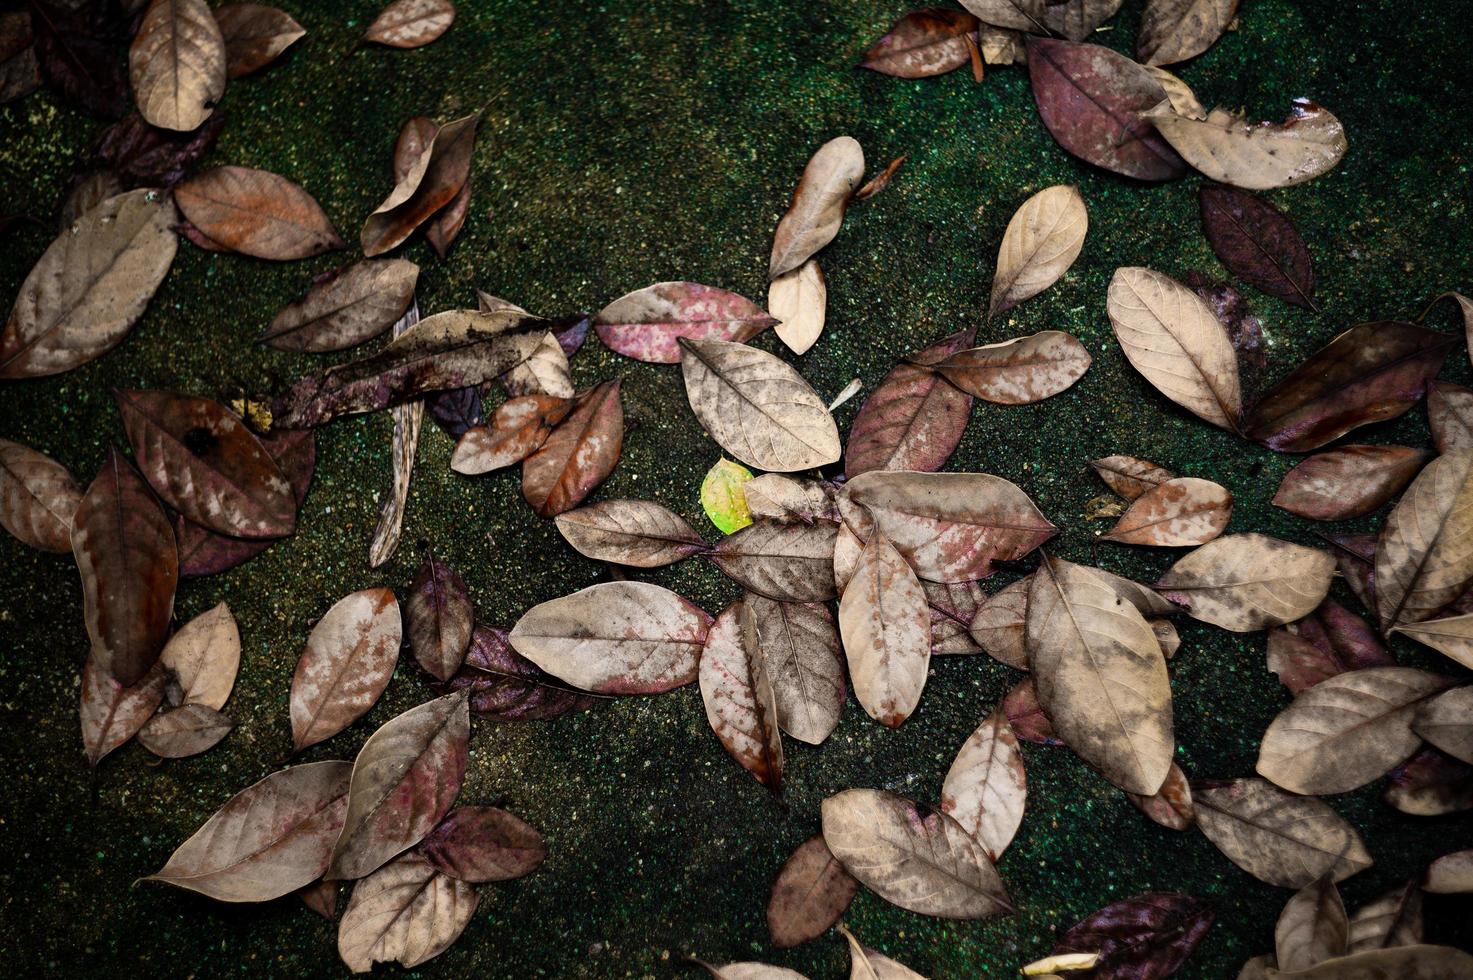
(321, 897)
(404, 779)
(923, 43)
(999, 626)
(810, 893)
(647, 323)
(1403, 963)
(640, 533)
(749, 971)
(124, 549)
(268, 840)
(1178, 93)
(187, 730)
(411, 24)
(90, 287)
(203, 657)
(518, 428)
(1042, 241)
(1394, 919)
(345, 307)
(1348, 482)
(1074, 19)
(723, 496)
(484, 843)
(1312, 928)
(1247, 582)
(77, 53)
(1277, 837)
(615, 638)
(867, 964)
(737, 691)
(205, 463)
(1450, 874)
(886, 628)
(578, 455)
(140, 155)
(38, 497)
(1171, 805)
(505, 686)
(800, 647)
(1430, 784)
(444, 228)
(439, 617)
(1450, 416)
(950, 527)
(787, 498)
(1370, 373)
(1227, 148)
(345, 666)
(1451, 636)
(798, 300)
(256, 212)
(953, 607)
(1446, 721)
(87, 192)
(1303, 659)
(456, 412)
(435, 178)
(111, 713)
(1145, 936)
(787, 562)
(1179, 513)
(407, 911)
(986, 788)
(177, 64)
(545, 372)
(1355, 557)
(1094, 102)
(913, 420)
(1172, 31)
(1020, 371)
(1026, 715)
(1173, 339)
(819, 202)
(1130, 476)
(1100, 676)
(255, 35)
(1424, 560)
(919, 861)
(1251, 236)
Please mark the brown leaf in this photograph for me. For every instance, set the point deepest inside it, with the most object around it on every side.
(1450, 416)
(918, 861)
(433, 181)
(404, 779)
(505, 686)
(787, 562)
(1430, 784)
(439, 616)
(639, 533)
(1446, 722)
(886, 630)
(1130, 476)
(257, 213)
(800, 646)
(1304, 654)
(1179, 513)
(615, 638)
(255, 35)
(1253, 238)
(986, 788)
(518, 428)
(1277, 837)
(484, 843)
(868, 964)
(1247, 582)
(408, 420)
(1042, 240)
(124, 549)
(1424, 560)
(203, 658)
(38, 497)
(268, 840)
(87, 192)
(1171, 805)
(819, 203)
(648, 323)
(1026, 715)
(923, 43)
(90, 286)
(1348, 482)
(444, 228)
(1020, 371)
(1450, 635)
(407, 911)
(111, 713)
(999, 625)
(736, 689)
(811, 892)
(1312, 928)
(1394, 919)
(798, 300)
(913, 420)
(177, 64)
(1227, 148)
(786, 498)
(1450, 874)
(345, 307)
(345, 666)
(321, 897)
(1172, 31)
(1355, 557)
(184, 731)
(411, 24)
(953, 606)
(578, 455)
(545, 372)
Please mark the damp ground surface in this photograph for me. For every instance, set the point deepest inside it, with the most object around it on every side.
(625, 144)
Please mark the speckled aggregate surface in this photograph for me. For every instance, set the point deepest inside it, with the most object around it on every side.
(625, 144)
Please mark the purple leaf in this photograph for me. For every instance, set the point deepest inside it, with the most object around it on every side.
(1257, 243)
(1144, 937)
(484, 843)
(505, 686)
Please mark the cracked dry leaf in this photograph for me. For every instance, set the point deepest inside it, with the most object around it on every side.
(439, 617)
(921, 44)
(176, 64)
(345, 666)
(1020, 371)
(1277, 837)
(648, 323)
(411, 24)
(1350, 481)
(1042, 240)
(1173, 31)
(1179, 513)
(736, 689)
(256, 213)
(615, 638)
(812, 890)
(912, 420)
(345, 307)
(204, 656)
(1424, 559)
(819, 202)
(639, 533)
(1227, 148)
(800, 645)
(1172, 337)
(1100, 676)
(886, 629)
(407, 911)
(787, 562)
(38, 497)
(986, 788)
(798, 299)
(757, 407)
(1247, 582)
(918, 860)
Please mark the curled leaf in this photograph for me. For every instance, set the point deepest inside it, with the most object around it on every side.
(345, 308)
(578, 455)
(432, 182)
(1227, 148)
(819, 203)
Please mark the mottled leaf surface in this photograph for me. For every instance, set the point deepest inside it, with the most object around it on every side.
(345, 666)
(1278, 837)
(647, 323)
(256, 213)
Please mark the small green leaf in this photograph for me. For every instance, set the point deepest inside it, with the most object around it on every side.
(723, 498)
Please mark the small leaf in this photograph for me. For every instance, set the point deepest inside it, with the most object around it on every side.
(986, 788)
(1253, 238)
(1130, 476)
(345, 308)
(886, 629)
(256, 213)
(518, 428)
(1424, 560)
(407, 911)
(1173, 31)
(800, 646)
(439, 616)
(640, 533)
(647, 323)
(1247, 582)
(1226, 147)
(798, 299)
(1171, 805)
(38, 497)
(953, 608)
(484, 843)
(321, 897)
(811, 892)
(787, 562)
(736, 689)
(255, 35)
(1183, 512)
(921, 44)
(1026, 715)
(184, 731)
(432, 182)
(1348, 482)
(1148, 935)
(544, 372)
(177, 64)
(345, 665)
(203, 657)
(1042, 240)
(823, 194)
(1277, 837)
(1019, 371)
(723, 496)
(505, 686)
(111, 713)
(411, 24)
(1450, 416)
(913, 420)
(578, 455)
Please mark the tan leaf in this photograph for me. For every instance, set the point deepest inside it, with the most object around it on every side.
(787, 562)
(1171, 805)
(749, 971)
(1166, 635)
(184, 731)
(256, 213)
(1401, 963)
(640, 533)
(1277, 837)
(408, 419)
(518, 428)
(886, 628)
(1179, 513)
(919, 861)
(1183, 100)
(986, 788)
(1172, 31)
(1171, 336)
(1450, 874)
(351, 306)
(1100, 676)
(1446, 721)
(347, 662)
(1450, 416)
(1130, 476)
(111, 713)
(800, 646)
(1020, 371)
(1042, 240)
(799, 298)
(407, 911)
(757, 407)
(432, 182)
(1247, 582)
(254, 35)
(810, 893)
(999, 626)
(177, 64)
(1452, 636)
(823, 193)
(867, 964)
(1312, 928)
(38, 497)
(1394, 919)
(204, 656)
(545, 372)
(411, 24)
(737, 691)
(579, 453)
(786, 498)
(1425, 556)
(1227, 148)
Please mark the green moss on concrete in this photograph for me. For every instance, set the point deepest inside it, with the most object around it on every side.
(625, 144)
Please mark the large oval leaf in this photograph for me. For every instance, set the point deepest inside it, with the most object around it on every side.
(90, 286)
(886, 628)
(578, 455)
(1042, 240)
(1145, 936)
(986, 787)
(757, 407)
(823, 193)
(1348, 482)
(38, 497)
(1247, 582)
(270, 839)
(1100, 676)
(811, 892)
(345, 307)
(640, 533)
(257, 213)
(1179, 513)
(439, 617)
(407, 911)
(177, 64)
(737, 691)
(1277, 837)
(404, 779)
(1226, 147)
(800, 645)
(615, 638)
(1171, 336)
(345, 666)
(921, 862)
(1255, 241)
(1019, 371)
(1424, 560)
(787, 562)
(647, 323)
(913, 420)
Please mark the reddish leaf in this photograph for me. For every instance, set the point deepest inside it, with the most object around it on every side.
(1092, 100)
(924, 42)
(953, 607)
(146, 156)
(1371, 372)
(432, 182)
(414, 138)
(1348, 482)
(1257, 243)
(411, 23)
(505, 686)
(648, 323)
(1026, 716)
(578, 455)
(914, 419)
(811, 892)
(571, 337)
(256, 212)
(439, 617)
(1144, 937)
(1431, 784)
(444, 228)
(38, 497)
(483, 843)
(518, 428)
(322, 897)
(1355, 556)
(1331, 641)
(345, 666)
(111, 713)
